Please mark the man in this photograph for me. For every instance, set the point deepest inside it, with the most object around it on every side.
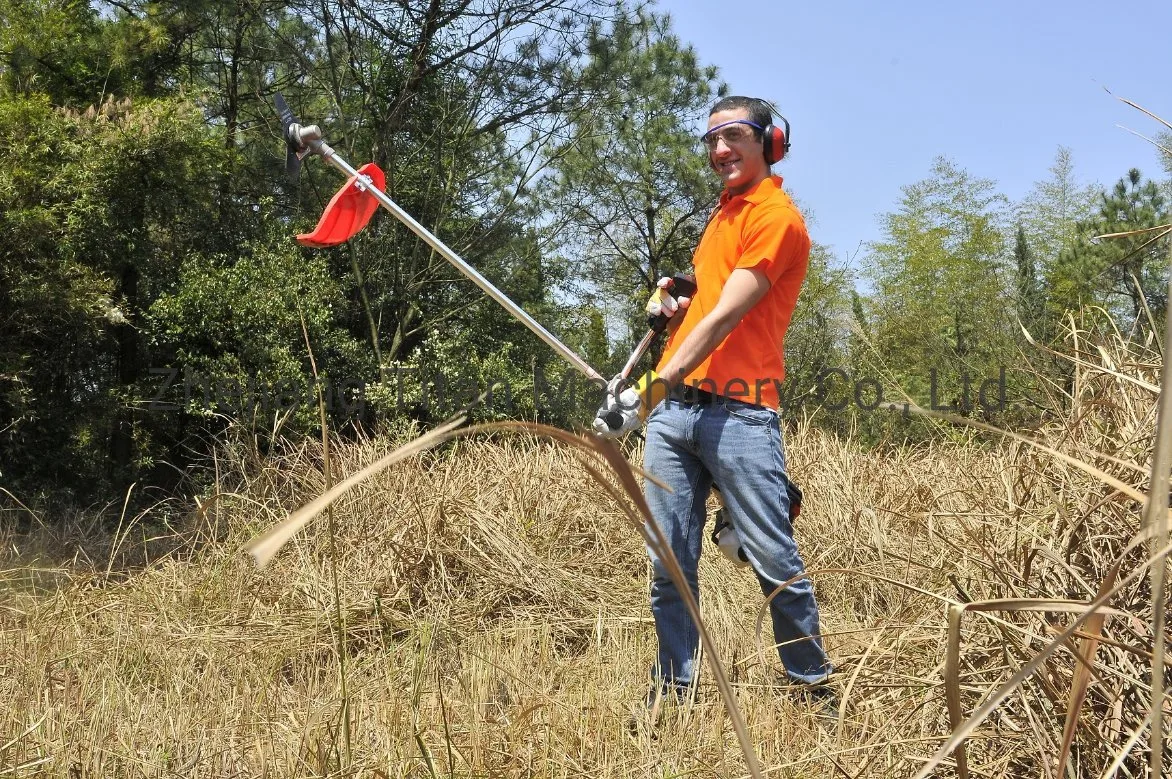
(722, 366)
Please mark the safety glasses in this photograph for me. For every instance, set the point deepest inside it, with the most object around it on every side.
(732, 132)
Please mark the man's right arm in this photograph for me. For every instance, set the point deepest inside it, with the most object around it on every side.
(743, 290)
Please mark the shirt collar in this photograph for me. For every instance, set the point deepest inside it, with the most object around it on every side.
(757, 195)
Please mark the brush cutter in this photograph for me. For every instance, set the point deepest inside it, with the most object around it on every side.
(680, 286)
(350, 210)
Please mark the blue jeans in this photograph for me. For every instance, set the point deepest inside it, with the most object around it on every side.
(740, 447)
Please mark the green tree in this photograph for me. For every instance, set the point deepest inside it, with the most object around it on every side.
(818, 338)
(1123, 273)
(631, 191)
(1039, 369)
(103, 206)
(143, 186)
(456, 101)
(59, 49)
(942, 292)
(1029, 298)
(231, 326)
(1052, 210)
(1050, 216)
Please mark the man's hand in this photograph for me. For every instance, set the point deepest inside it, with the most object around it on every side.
(619, 414)
(663, 302)
(625, 408)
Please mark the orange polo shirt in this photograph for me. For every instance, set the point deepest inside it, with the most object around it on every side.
(760, 229)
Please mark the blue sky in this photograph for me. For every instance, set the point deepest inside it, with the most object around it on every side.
(876, 90)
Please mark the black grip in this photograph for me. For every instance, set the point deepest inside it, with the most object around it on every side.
(682, 285)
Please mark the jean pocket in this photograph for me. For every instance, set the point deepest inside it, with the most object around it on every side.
(758, 416)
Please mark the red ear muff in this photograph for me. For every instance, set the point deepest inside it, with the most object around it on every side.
(775, 141)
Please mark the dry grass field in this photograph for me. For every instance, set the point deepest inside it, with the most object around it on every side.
(481, 610)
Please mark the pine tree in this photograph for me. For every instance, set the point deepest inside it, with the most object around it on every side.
(632, 190)
(1124, 273)
(1029, 291)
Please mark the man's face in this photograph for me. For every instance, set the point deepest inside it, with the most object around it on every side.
(739, 161)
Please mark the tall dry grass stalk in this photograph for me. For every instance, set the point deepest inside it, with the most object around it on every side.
(496, 622)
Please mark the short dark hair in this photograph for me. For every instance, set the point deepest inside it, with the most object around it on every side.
(759, 111)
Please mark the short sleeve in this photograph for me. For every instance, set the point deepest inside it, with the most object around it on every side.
(774, 240)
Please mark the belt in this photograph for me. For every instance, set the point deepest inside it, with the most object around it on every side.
(693, 396)
(689, 395)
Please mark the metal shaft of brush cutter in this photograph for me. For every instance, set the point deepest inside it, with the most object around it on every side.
(308, 137)
(637, 355)
(682, 286)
